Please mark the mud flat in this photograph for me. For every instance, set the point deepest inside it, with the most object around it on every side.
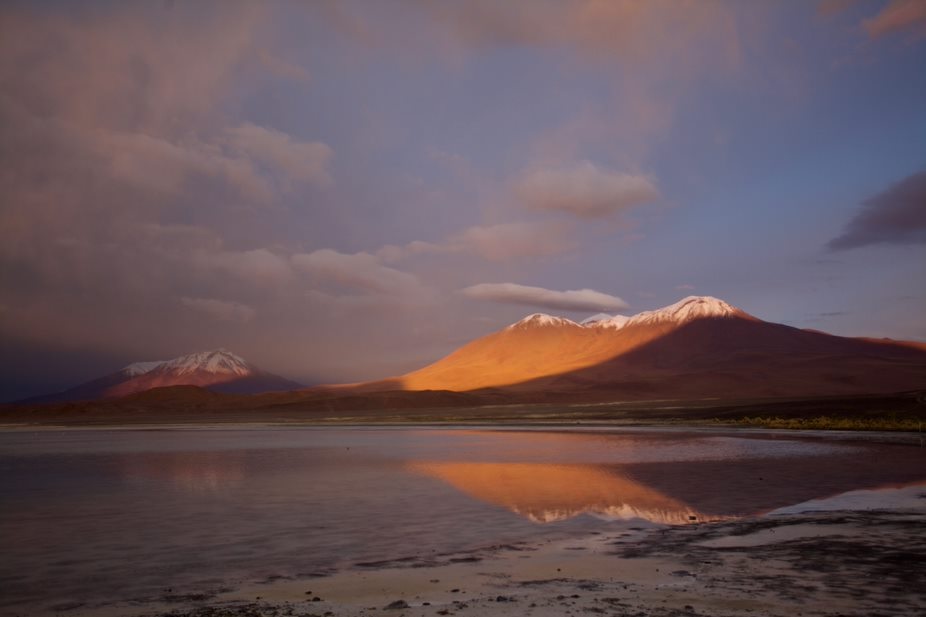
(861, 553)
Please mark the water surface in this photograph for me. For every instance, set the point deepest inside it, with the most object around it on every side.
(103, 515)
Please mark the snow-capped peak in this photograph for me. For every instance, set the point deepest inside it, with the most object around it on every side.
(687, 309)
(603, 320)
(594, 319)
(140, 368)
(542, 320)
(218, 361)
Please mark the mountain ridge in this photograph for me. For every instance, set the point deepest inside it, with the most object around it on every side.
(218, 370)
(698, 346)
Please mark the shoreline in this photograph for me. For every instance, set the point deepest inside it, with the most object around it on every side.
(909, 438)
(898, 411)
(852, 554)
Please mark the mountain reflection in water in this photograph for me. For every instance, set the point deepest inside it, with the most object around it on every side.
(545, 493)
(100, 515)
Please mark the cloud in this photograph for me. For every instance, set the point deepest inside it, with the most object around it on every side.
(153, 164)
(494, 242)
(894, 216)
(131, 160)
(127, 67)
(220, 309)
(511, 240)
(357, 271)
(584, 190)
(637, 32)
(126, 104)
(647, 55)
(300, 161)
(258, 266)
(897, 16)
(685, 287)
(577, 300)
(282, 68)
(829, 8)
(254, 157)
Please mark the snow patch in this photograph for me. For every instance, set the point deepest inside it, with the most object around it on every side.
(601, 320)
(140, 368)
(536, 320)
(218, 361)
(685, 310)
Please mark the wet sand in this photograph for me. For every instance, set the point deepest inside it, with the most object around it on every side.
(862, 553)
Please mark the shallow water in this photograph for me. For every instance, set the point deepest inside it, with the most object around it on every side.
(90, 516)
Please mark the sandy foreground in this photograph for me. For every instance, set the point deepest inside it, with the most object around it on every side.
(862, 553)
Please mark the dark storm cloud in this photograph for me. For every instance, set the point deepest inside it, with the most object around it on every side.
(895, 216)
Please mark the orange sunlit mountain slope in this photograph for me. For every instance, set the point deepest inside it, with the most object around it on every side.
(699, 346)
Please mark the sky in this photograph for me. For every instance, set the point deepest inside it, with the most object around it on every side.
(343, 191)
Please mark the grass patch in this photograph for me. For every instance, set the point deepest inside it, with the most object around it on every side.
(890, 422)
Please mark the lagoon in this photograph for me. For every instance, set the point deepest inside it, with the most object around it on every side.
(90, 517)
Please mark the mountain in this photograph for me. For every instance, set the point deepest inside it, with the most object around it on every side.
(697, 347)
(701, 351)
(218, 370)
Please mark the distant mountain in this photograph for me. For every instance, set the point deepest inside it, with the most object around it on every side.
(218, 370)
(697, 347)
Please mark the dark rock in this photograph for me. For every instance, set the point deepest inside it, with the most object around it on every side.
(397, 605)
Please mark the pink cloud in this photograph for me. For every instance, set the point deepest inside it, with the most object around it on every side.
(136, 66)
(898, 15)
(584, 190)
(298, 160)
(259, 267)
(357, 271)
(220, 309)
(515, 240)
(501, 242)
(616, 29)
(828, 8)
(156, 164)
(574, 300)
(282, 68)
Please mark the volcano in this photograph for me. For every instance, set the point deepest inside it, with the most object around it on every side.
(218, 370)
(698, 347)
